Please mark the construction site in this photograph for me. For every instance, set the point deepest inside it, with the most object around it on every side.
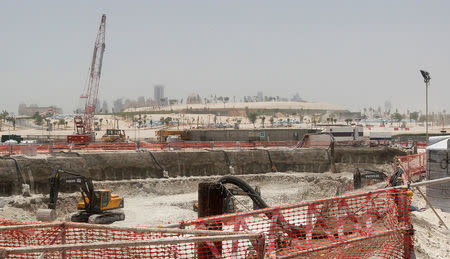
(218, 181)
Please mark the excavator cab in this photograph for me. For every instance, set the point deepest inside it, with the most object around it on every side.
(104, 200)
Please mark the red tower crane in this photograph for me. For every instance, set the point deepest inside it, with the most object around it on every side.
(83, 123)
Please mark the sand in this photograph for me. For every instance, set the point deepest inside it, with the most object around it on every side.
(154, 202)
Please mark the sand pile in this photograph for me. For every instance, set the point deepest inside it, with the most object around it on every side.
(431, 238)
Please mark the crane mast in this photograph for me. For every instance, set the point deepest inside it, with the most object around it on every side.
(83, 123)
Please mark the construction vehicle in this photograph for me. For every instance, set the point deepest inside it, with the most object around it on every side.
(17, 138)
(164, 134)
(96, 206)
(114, 135)
(83, 123)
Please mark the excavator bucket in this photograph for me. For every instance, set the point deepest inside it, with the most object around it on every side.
(46, 215)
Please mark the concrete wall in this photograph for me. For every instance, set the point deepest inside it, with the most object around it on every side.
(250, 134)
(373, 155)
(141, 165)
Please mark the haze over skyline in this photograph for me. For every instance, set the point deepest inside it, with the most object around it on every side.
(353, 54)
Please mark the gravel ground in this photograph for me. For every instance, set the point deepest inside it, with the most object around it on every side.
(162, 201)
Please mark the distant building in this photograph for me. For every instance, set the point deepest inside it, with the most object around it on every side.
(193, 98)
(42, 110)
(296, 98)
(159, 94)
(259, 96)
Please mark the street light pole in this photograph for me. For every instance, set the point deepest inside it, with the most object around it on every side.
(426, 109)
(426, 79)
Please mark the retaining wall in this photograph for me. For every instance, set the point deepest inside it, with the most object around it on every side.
(140, 165)
(249, 134)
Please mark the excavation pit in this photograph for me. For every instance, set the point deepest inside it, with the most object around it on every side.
(151, 202)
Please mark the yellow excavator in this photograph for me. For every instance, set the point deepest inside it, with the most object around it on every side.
(96, 206)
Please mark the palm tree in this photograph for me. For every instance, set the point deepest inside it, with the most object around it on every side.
(61, 122)
(263, 119)
(252, 118)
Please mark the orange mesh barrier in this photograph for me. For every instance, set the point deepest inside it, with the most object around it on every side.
(362, 225)
(419, 144)
(71, 240)
(366, 225)
(413, 166)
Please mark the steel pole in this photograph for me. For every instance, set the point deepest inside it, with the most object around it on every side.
(426, 110)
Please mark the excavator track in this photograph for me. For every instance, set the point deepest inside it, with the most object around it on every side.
(106, 218)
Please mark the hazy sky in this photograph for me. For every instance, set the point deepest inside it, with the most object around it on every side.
(350, 53)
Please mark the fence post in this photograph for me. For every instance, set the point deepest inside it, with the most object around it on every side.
(402, 203)
(63, 239)
(261, 246)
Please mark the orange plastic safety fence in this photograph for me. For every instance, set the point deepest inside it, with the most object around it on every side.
(413, 166)
(362, 225)
(367, 225)
(48, 236)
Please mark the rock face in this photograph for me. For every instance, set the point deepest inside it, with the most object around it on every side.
(15, 171)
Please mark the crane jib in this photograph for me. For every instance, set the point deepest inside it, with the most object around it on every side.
(83, 125)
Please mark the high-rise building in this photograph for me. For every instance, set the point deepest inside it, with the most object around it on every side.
(259, 96)
(194, 98)
(159, 94)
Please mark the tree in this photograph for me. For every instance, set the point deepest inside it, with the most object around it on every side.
(12, 119)
(118, 105)
(271, 120)
(38, 119)
(47, 120)
(252, 117)
(414, 116)
(263, 119)
(105, 107)
(224, 100)
(3, 115)
(397, 117)
(348, 121)
(61, 122)
(167, 120)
